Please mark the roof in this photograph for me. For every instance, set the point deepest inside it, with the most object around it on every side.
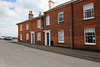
(31, 19)
(63, 5)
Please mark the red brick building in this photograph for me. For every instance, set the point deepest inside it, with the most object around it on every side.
(72, 24)
(31, 30)
(87, 27)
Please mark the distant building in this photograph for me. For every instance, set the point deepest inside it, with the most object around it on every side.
(74, 24)
(0, 36)
(3, 37)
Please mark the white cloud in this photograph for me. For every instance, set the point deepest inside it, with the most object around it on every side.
(9, 18)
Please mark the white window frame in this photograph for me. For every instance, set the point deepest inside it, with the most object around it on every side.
(27, 36)
(47, 20)
(20, 36)
(38, 36)
(87, 30)
(59, 16)
(21, 27)
(38, 23)
(27, 26)
(87, 7)
(59, 35)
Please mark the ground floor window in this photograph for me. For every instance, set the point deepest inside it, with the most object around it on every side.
(89, 34)
(61, 36)
(20, 36)
(27, 36)
(38, 36)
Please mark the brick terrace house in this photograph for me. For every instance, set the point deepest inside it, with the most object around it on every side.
(73, 24)
(31, 30)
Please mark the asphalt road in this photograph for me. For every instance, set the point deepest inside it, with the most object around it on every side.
(14, 55)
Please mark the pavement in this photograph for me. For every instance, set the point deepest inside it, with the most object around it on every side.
(15, 54)
(83, 54)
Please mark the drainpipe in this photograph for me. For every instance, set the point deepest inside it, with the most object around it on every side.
(72, 27)
(73, 23)
(43, 28)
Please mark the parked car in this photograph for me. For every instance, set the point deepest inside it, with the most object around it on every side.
(8, 38)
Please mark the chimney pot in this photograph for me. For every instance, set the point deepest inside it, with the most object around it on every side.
(30, 12)
(40, 13)
(30, 15)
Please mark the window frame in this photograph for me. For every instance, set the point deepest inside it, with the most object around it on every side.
(61, 36)
(38, 23)
(27, 36)
(48, 20)
(91, 35)
(61, 22)
(27, 26)
(21, 27)
(84, 11)
(39, 36)
(20, 36)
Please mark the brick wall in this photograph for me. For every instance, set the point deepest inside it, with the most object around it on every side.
(32, 27)
(24, 32)
(80, 24)
(55, 27)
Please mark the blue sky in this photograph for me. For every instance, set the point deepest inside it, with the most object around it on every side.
(15, 11)
(9, 0)
(12, 1)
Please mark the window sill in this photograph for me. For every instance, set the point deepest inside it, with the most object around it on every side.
(61, 23)
(61, 43)
(47, 25)
(39, 28)
(89, 18)
(38, 41)
(90, 44)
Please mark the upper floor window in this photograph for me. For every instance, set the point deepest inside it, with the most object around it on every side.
(61, 36)
(89, 34)
(47, 20)
(20, 36)
(61, 17)
(27, 36)
(27, 26)
(88, 11)
(38, 36)
(38, 23)
(21, 27)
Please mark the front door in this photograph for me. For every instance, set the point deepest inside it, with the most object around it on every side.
(48, 39)
(32, 38)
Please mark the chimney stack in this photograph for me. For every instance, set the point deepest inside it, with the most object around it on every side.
(40, 13)
(30, 15)
(51, 4)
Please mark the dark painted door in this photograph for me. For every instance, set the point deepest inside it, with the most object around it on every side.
(32, 38)
(48, 39)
